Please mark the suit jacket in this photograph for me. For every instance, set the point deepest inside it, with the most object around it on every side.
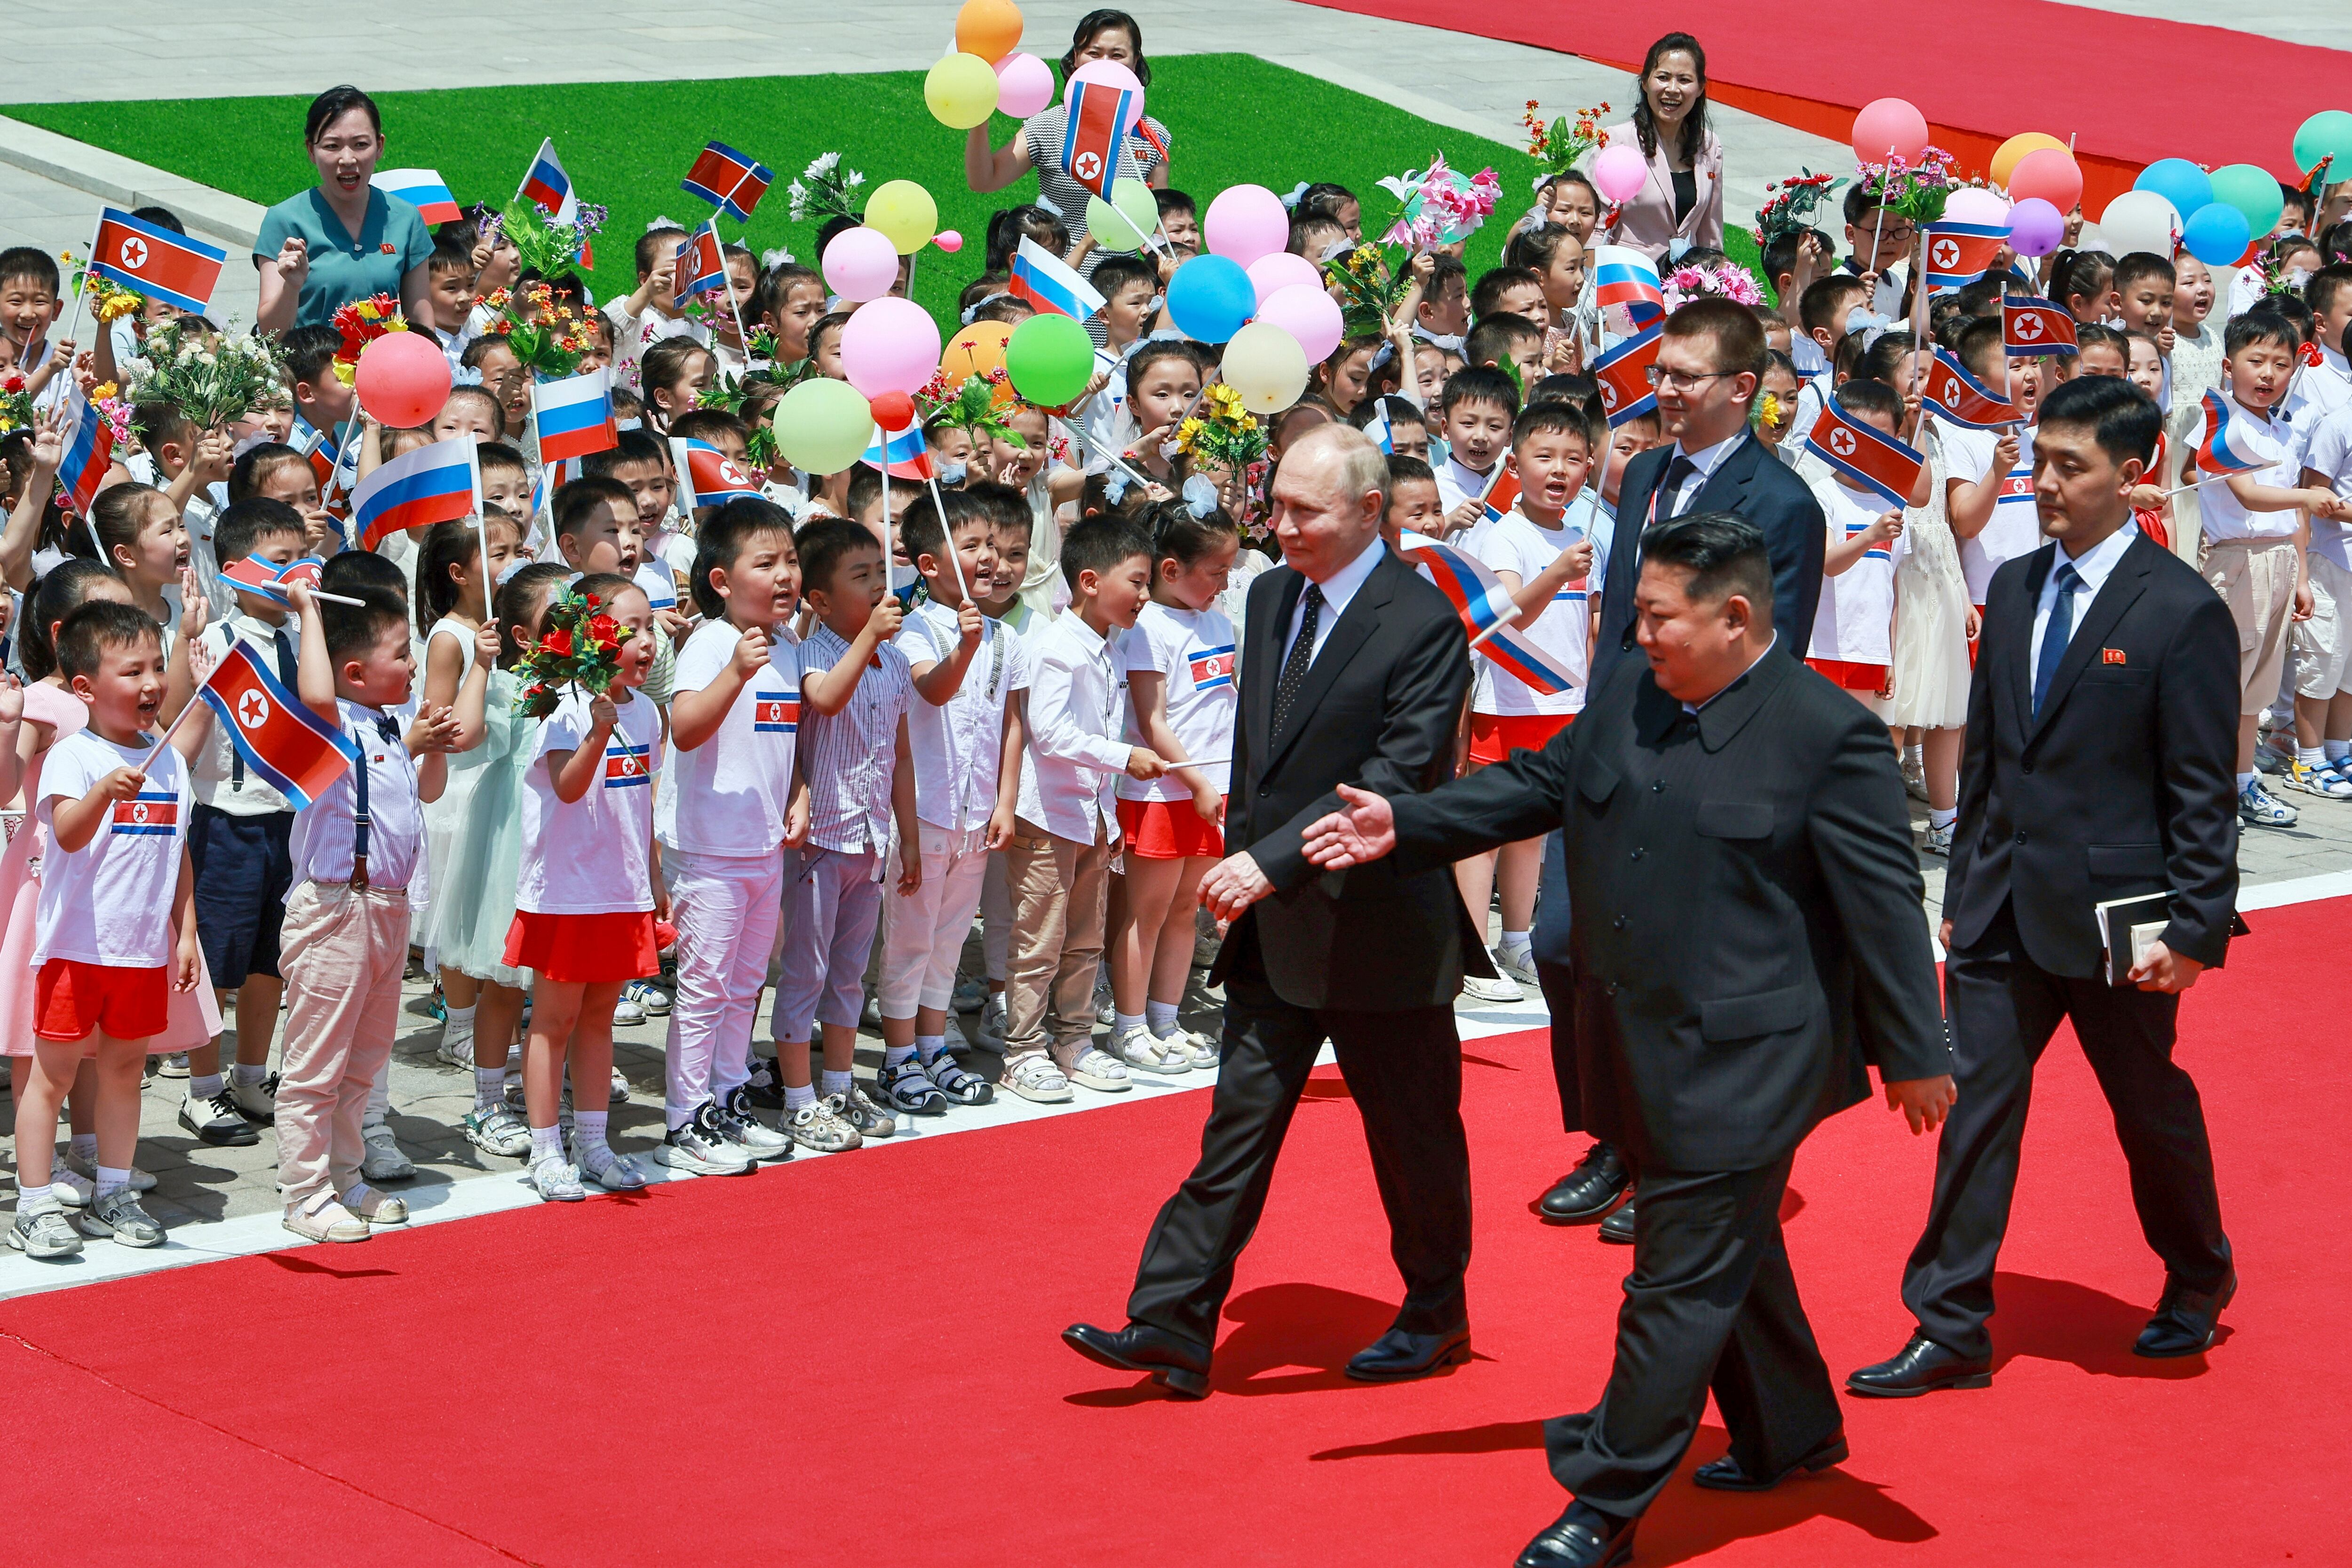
(1647, 222)
(1748, 926)
(2126, 782)
(1378, 711)
(1759, 487)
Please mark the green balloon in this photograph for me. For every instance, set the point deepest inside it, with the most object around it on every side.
(822, 427)
(2327, 133)
(2254, 191)
(1049, 360)
(1125, 222)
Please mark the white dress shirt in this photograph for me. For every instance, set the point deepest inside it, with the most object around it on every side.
(2095, 566)
(1705, 461)
(1076, 715)
(1337, 594)
(322, 839)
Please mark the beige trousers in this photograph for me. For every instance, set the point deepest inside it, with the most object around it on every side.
(1060, 889)
(342, 954)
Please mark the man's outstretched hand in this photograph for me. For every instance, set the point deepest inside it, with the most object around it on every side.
(1233, 885)
(1365, 831)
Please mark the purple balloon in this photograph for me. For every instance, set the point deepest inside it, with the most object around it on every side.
(2035, 227)
(1308, 314)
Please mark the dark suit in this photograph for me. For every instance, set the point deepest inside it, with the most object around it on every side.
(2124, 784)
(1747, 933)
(1370, 959)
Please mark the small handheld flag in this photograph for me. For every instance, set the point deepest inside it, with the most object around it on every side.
(292, 749)
(1961, 253)
(89, 449)
(904, 454)
(707, 476)
(438, 483)
(727, 180)
(1098, 121)
(574, 417)
(1049, 283)
(1486, 609)
(1624, 376)
(149, 259)
(1877, 462)
(2228, 445)
(255, 575)
(423, 189)
(550, 189)
(2032, 326)
(701, 263)
(1624, 276)
(1502, 490)
(1961, 398)
(1378, 429)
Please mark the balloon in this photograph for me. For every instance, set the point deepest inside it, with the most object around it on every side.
(861, 263)
(988, 28)
(1113, 231)
(2179, 182)
(894, 411)
(889, 345)
(2216, 234)
(1308, 314)
(1110, 73)
(1266, 366)
(2006, 157)
(1973, 204)
(905, 213)
(823, 426)
(978, 349)
(1025, 84)
(1049, 358)
(2325, 132)
(948, 240)
(2140, 220)
(1245, 223)
(961, 92)
(1618, 173)
(403, 381)
(1888, 124)
(2035, 227)
(2251, 191)
(1210, 297)
(2051, 173)
(1280, 270)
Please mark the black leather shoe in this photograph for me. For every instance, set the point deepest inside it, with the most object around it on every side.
(2184, 1319)
(1138, 1347)
(1588, 1192)
(1619, 1227)
(1580, 1538)
(1397, 1356)
(1924, 1367)
(1726, 1476)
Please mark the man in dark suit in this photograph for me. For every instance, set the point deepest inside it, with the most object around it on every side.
(2102, 732)
(1747, 933)
(1353, 669)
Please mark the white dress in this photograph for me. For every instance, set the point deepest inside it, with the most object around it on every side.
(1931, 614)
(446, 816)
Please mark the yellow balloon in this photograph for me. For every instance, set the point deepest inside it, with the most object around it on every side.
(1113, 231)
(905, 213)
(960, 90)
(1266, 366)
(2005, 159)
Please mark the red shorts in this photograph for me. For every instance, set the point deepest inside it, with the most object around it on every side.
(1168, 830)
(71, 998)
(1495, 736)
(1850, 676)
(584, 949)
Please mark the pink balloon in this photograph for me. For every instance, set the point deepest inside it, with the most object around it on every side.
(1308, 314)
(861, 263)
(1110, 73)
(2049, 174)
(1618, 173)
(1888, 124)
(1245, 223)
(1268, 274)
(889, 345)
(948, 240)
(1973, 204)
(2035, 227)
(403, 381)
(1025, 84)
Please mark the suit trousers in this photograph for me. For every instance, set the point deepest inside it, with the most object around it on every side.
(1404, 1072)
(2003, 1009)
(342, 954)
(1710, 1306)
(1558, 984)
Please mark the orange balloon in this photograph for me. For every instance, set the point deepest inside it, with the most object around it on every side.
(2005, 158)
(978, 349)
(988, 28)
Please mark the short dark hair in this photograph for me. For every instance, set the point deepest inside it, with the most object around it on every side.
(1980, 334)
(1864, 395)
(1820, 307)
(498, 455)
(2142, 264)
(31, 263)
(823, 543)
(364, 571)
(575, 500)
(101, 624)
(1115, 271)
(2260, 325)
(1553, 418)
(245, 523)
(1480, 383)
(924, 529)
(2319, 289)
(1006, 507)
(1173, 200)
(311, 352)
(1724, 553)
(1737, 335)
(451, 254)
(1487, 292)
(705, 423)
(355, 629)
(633, 447)
(1400, 410)
(723, 537)
(1098, 544)
(2123, 420)
(1496, 335)
(1407, 471)
(253, 467)
(332, 105)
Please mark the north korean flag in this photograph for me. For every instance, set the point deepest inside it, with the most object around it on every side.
(1961, 253)
(151, 814)
(727, 180)
(775, 712)
(1879, 463)
(626, 766)
(152, 261)
(1502, 490)
(701, 263)
(292, 749)
(1098, 119)
(2032, 326)
(1957, 396)
(1213, 668)
(707, 476)
(1624, 376)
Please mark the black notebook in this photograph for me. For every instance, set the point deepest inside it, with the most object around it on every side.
(2127, 928)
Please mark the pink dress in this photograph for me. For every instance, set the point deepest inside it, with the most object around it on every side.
(195, 1016)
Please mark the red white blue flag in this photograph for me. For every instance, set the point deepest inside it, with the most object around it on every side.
(1961, 253)
(89, 448)
(550, 189)
(2230, 446)
(423, 189)
(2032, 326)
(1383, 434)
(628, 766)
(1485, 605)
(292, 749)
(702, 263)
(257, 576)
(1879, 463)
(574, 417)
(775, 712)
(149, 259)
(151, 814)
(1098, 119)
(1624, 374)
(1622, 276)
(707, 476)
(1211, 668)
(432, 484)
(1502, 490)
(1049, 283)
(904, 454)
(727, 180)
(1961, 398)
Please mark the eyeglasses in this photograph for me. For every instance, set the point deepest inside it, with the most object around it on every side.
(1675, 380)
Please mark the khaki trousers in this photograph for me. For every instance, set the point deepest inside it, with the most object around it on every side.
(342, 954)
(1060, 889)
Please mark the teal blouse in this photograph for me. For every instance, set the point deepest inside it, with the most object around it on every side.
(343, 267)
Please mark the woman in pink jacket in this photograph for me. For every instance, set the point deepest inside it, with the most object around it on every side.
(1683, 198)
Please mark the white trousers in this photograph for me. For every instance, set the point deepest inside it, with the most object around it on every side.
(727, 908)
(923, 931)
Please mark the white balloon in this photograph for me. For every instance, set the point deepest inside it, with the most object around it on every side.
(2140, 220)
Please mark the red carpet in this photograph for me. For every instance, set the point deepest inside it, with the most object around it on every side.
(2133, 89)
(856, 1362)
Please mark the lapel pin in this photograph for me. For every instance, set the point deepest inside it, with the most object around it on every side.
(2111, 656)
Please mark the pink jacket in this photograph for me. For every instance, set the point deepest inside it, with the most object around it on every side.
(1647, 222)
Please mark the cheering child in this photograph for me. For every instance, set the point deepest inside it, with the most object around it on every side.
(1852, 634)
(147, 545)
(1479, 404)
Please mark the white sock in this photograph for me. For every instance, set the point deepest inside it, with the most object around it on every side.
(1120, 1022)
(1915, 755)
(929, 1047)
(245, 1076)
(1939, 818)
(2309, 756)
(893, 1055)
(836, 1082)
(1161, 1016)
(798, 1095)
(85, 1147)
(546, 1144)
(489, 1087)
(588, 1128)
(457, 1026)
(1515, 941)
(112, 1181)
(30, 1198)
(2244, 780)
(204, 1085)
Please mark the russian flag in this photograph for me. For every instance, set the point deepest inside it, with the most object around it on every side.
(1624, 376)
(1957, 396)
(1049, 283)
(574, 417)
(1961, 253)
(257, 576)
(1880, 463)
(1098, 120)
(701, 263)
(292, 750)
(1211, 668)
(707, 476)
(906, 453)
(88, 450)
(149, 814)
(152, 261)
(1378, 429)
(2227, 446)
(423, 189)
(2032, 326)
(1502, 490)
(1622, 276)
(727, 180)
(550, 189)
(1481, 601)
(417, 490)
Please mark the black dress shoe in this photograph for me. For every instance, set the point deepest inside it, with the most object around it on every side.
(1924, 1367)
(1726, 1476)
(1397, 1356)
(1588, 1192)
(2184, 1319)
(1580, 1538)
(1619, 1227)
(1138, 1347)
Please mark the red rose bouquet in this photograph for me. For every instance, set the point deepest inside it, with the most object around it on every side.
(579, 649)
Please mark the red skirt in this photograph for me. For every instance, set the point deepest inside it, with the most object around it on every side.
(584, 949)
(1168, 830)
(1495, 736)
(1850, 676)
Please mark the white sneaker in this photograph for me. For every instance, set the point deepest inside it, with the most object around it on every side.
(992, 1022)
(455, 1050)
(620, 1090)
(173, 1066)
(1039, 1079)
(1099, 1071)
(1106, 1009)
(1518, 965)
(2257, 808)
(1139, 1048)
(383, 1161)
(1502, 988)
(73, 1190)
(1938, 840)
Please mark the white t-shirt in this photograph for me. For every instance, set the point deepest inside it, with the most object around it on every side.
(1517, 543)
(110, 902)
(727, 796)
(2222, 515)
(958, 746)
(659, 584)
(2328, 450)
(591, 857)
(1195, 650)
(322, 838)
(1855, 620)
(2015, 527)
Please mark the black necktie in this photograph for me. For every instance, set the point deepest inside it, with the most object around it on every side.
(289, 670)
(1302, 655)
(1679, 473)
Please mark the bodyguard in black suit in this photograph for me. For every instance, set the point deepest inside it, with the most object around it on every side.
(1353, 669)
(2101, 739)
(1748, 934)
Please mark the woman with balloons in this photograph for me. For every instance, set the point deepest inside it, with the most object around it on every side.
(1663, 168)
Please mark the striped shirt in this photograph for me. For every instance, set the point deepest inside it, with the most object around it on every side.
(848, 757)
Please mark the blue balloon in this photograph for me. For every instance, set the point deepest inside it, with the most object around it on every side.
(2178, 181)
(2216, 234)
(1211, 297)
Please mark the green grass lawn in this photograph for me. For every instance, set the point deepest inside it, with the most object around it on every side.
(1232, 119)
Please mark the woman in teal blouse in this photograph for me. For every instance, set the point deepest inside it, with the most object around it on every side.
(342, 240)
